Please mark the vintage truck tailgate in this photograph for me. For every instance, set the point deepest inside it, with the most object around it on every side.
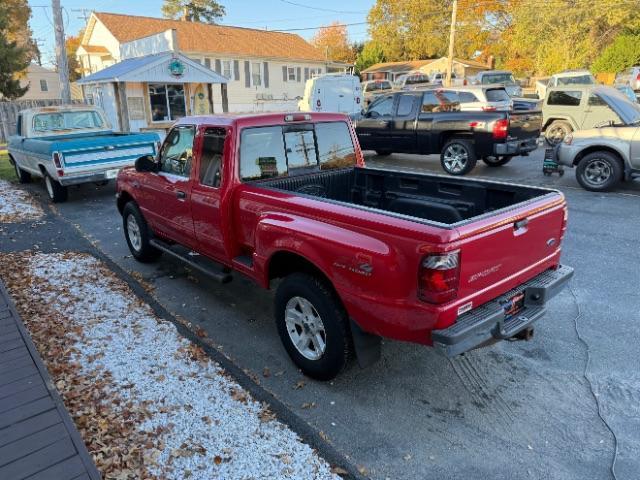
(106, 151)
(524, 124)
(501, 252)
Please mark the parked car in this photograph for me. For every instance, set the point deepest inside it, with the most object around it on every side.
(411, 81)
(361, 253)
(577, 107)
(628, 92)
(69, 145)
(605, 156)
(566, 78)
(476, 98)
(373, 88)
(339, 93)
(631, 77)
(499, 77)
(427, 122)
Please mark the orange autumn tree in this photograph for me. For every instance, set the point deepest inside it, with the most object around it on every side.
(333, 41)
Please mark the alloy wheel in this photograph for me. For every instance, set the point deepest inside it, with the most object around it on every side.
(133, 231)
(305, 328)
(455, 158)
(597, 172)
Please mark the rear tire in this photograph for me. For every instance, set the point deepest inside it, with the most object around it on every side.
(458, 157)
(136, 232)
(555, 133)
(308, 313)
(497, 161)
(599, 171)
(23, 177)
(57, 193)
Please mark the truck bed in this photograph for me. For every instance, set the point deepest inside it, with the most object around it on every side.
(447, 201)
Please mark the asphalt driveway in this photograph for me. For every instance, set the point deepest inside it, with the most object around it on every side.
(515, 410)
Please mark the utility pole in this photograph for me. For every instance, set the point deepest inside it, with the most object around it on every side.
(452, 40)
(61, 52)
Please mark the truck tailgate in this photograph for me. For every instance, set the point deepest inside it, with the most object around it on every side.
(498, 255)
(524, 124)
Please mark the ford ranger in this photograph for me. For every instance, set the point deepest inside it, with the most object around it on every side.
(67, 145)
(357, 254)
(431, 121)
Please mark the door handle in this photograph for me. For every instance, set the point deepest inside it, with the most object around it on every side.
(181, 195)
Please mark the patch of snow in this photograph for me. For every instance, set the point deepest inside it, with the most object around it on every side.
(210, 427)
(16, 205)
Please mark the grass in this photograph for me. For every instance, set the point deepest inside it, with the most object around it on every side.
(6, 169)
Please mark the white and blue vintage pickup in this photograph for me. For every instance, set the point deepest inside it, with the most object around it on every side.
(68, 145)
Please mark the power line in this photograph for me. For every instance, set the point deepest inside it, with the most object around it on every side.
(317, 8)
(321, 26)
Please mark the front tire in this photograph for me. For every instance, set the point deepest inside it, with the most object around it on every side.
(57, 193)
(23, 177)
(599, 171)
(136, 232)
(458, 157)
(555, 133)
(497, 161)
(313, 326)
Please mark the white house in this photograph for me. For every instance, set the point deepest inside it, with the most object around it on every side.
(43, 83)
(264, 70)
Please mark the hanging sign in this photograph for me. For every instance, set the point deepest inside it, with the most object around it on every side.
(176, 68)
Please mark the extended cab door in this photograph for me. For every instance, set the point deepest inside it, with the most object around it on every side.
(166, 201)
(403, 128)
(432, 119)
(206, 191)
(374, 130)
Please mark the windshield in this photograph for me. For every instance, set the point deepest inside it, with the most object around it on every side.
(76, 120)
(414, 79)
(627, 110)
(492, 78)
(586, 79)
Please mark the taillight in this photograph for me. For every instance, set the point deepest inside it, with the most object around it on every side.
(438, 277)
(500, 129)
(638, 78)
(56, 160)
(489, 109)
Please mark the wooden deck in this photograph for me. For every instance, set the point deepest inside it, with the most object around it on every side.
(38, 440)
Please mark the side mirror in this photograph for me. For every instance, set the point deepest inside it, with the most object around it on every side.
(605, 123)
(372, 114)
(146, 164)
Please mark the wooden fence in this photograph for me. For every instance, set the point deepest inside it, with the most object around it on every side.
(9, 114)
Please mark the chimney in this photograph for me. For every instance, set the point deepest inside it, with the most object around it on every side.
(174, 40)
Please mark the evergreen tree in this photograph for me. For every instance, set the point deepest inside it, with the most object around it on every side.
(206, 11)
(14, 57)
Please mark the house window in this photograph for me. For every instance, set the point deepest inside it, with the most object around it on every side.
(291, 74)
(256, 78)
(167, 102)
(43, 86)
(226, 69)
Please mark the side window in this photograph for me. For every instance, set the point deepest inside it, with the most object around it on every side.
(262, 153)
(300, 148)
(211, 158)
(440, 101)
(565, 98)
(596, 101)
(335, 145)
(382, 107)
(429, 102)
(405, 105)
(19, 125)
(467, 97)
(177, 151)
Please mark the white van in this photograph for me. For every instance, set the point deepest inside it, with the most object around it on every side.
(333, 92)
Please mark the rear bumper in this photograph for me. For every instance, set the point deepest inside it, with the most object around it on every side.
(516, 147)
(99, 176)
(489, 322)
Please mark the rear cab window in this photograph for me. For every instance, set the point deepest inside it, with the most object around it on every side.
(497, 95)
(286, 150)
(565, 98)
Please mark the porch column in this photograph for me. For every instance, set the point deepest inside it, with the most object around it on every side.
(225, 99)
(123, 108)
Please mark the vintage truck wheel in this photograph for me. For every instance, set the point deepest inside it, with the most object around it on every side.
(23, 177)
(599, 171)
(136, 233)
(57, 193)
(497, 161)
(458, 157)
(313, 326)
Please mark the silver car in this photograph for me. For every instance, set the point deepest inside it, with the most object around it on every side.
(478, 98)
(499, 77)
(607, 155)
(631, 77)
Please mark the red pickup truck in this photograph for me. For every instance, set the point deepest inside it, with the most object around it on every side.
(356, 253)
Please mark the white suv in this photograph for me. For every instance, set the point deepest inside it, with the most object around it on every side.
(562, 79)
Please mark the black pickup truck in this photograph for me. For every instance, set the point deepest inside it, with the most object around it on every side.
(427, 122)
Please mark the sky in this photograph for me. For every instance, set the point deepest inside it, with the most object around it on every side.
(270, 14)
